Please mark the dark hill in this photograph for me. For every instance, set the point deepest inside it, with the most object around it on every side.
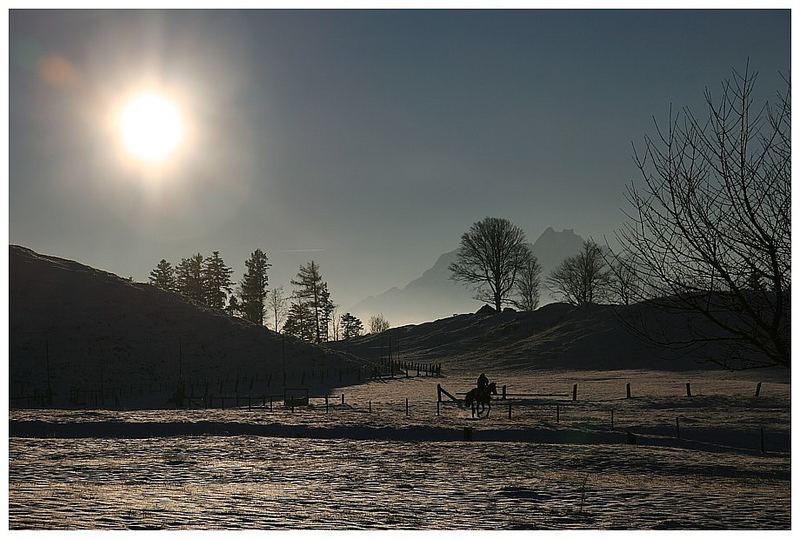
(556, 336)
(108, 340)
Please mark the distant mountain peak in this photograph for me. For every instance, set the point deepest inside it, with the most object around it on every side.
(434, 295)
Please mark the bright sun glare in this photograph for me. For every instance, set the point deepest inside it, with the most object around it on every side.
(151, 127)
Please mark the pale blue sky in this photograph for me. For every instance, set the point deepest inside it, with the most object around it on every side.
(377, 137)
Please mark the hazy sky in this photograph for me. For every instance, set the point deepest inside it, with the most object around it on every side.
(367, 140)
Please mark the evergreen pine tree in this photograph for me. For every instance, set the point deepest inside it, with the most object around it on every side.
(233, 308)
(189, 275)
(351, 326)
(312, 293)
(254, 287)
(163, 276)
(326, 308)
(216, 281)
(300, 322)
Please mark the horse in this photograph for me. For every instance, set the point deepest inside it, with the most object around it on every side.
(481, 397)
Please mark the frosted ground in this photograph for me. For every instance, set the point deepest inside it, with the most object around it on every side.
(352, 468)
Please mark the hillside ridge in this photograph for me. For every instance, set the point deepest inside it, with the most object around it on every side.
(92, 332)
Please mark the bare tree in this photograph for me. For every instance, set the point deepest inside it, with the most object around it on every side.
(276, 303)
(335, 322)
(528, 283)
(710, 225)
(625, 286)
(583, 278)
(490, 256)
(378, 324)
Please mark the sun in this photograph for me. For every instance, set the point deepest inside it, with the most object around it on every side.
(151, 127)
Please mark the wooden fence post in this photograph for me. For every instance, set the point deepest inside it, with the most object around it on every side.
(762, 440)
(758, 389)
(504, 393)
(438, 406)
(628, 390)
(688, 389)
(575, 392)
(509, 409)
(342, 398)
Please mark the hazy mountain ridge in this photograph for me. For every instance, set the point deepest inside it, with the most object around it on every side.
(434, 295)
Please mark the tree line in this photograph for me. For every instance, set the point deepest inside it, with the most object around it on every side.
(207, 281)
(496, 260)
(308, 313)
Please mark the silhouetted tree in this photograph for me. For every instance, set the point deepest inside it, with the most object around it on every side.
(312, 292)
(583, 278)
(163, 276)
(490, 256)
(233, 308)
(625, 286)
(351, 326)
(336, 322)
(378, 324)
(253, 288)
(713, 211)
(276, 302)
(528, 284)
(216, 281)
(325, 313)
(300, 321)
(189, 274)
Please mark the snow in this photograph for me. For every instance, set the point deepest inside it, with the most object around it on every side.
(271, 483)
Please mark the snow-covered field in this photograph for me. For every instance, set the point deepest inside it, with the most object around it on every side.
(258, 482)
(349, 467)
